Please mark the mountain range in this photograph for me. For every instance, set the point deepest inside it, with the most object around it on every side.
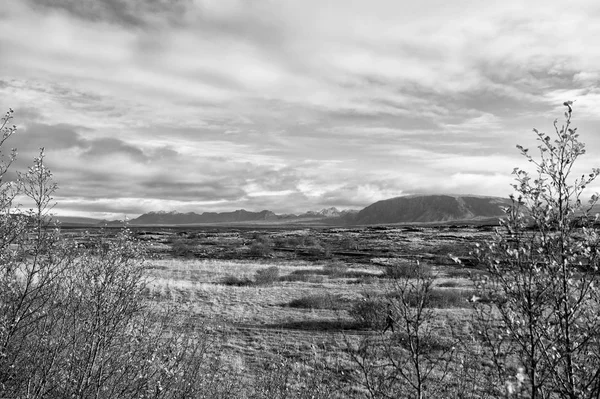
(405, 209)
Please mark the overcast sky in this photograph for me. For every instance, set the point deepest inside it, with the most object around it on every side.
(290, 105)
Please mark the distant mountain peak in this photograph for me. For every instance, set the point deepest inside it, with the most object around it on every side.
(325, 212)
(177, 218)
(163, 213)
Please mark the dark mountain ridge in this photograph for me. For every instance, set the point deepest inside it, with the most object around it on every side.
(431, 208)
(238, 216)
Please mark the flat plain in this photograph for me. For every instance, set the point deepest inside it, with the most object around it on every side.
(294, 294)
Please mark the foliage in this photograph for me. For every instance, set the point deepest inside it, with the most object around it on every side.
(261, 249)
(369, 312)
(182, 249)
(335, 270)
(75, 322)
(405, 269)
(267, 276)
(237, 281)
(541, 329)
(305, 275)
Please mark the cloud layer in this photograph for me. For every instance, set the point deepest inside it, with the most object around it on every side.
(203, 105)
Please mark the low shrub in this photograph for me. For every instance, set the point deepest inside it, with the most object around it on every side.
(260, 249)
(306, 272)
(236, 281)
(369, 312)
(349, 244)
(318, 251)
(406, 269)
(267, 276)
(372, 310)
(182, 249)
(262, 246)
(334, 270)
(311, 241)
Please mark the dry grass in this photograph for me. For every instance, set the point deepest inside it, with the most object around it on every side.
(304, 315)
(199, 284)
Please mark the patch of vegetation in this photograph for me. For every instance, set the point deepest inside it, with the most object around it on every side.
(349, 243)
(322, 251)
(369, 312)
(237, 281)
(261, 250)
(406, 269)
(182, 249)
(262, 246)
(267, 276)
(335, 270)
(306, 276)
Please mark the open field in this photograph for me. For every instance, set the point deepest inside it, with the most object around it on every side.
(278, 293)
(329, 312)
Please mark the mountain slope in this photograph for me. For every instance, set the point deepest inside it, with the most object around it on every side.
(430, 208)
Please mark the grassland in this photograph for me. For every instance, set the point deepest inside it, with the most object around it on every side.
(302, 311)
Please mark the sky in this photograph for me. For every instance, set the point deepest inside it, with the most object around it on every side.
(289, 105)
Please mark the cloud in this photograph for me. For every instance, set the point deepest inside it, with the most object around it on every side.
(52, 137)
(285, 104)
(111, 146)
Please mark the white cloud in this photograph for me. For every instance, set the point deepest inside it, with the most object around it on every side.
(381, 97)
